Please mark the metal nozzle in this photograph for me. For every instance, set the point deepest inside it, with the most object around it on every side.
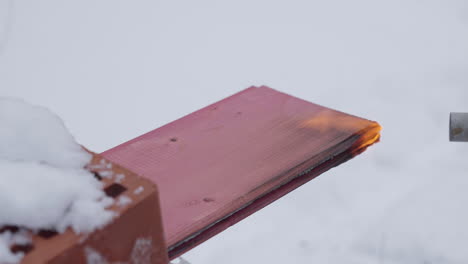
(459, 127)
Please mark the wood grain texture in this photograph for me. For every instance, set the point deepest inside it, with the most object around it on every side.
(220, 164)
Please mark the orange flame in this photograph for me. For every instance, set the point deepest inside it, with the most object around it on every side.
(328, 120)
(369, 136)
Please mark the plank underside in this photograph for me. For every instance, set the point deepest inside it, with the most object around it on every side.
(222, 163)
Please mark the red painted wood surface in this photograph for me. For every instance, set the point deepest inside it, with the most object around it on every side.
(220, 164)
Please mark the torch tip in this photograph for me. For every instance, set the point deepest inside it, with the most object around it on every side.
(458, 127)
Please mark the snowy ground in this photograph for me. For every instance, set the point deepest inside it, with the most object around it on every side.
(116, 69)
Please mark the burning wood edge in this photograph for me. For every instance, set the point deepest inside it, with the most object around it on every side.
(362, 140)
(134, 236)
(368, 137)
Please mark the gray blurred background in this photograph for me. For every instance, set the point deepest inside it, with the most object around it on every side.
(116, 69)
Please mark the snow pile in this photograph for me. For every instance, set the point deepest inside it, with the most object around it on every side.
(7, 239)
(33, 134)
(43, 183)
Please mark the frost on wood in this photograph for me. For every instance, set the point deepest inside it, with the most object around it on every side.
(142, 251)
(123, 200)
(139, 190)
(94, 257)
(43, 183)
(119, 178)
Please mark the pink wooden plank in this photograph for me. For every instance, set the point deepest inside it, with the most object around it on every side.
(220, 164)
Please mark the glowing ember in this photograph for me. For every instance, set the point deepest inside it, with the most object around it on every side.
(369, 136)
(332, 121)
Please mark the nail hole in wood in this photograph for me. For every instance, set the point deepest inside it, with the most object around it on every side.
(208, 200)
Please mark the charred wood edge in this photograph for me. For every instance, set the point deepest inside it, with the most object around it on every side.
(356, 148)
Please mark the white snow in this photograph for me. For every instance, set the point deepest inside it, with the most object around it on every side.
(34, 134)
(94, 257)
(142, 251)
(119, 177)
(106, 174)
(6, 240)
(123, 200)
(403, 63)
(180, 261)
(139, 190)
(43, 183)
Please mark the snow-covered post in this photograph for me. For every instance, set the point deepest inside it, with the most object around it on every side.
(459, 127)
